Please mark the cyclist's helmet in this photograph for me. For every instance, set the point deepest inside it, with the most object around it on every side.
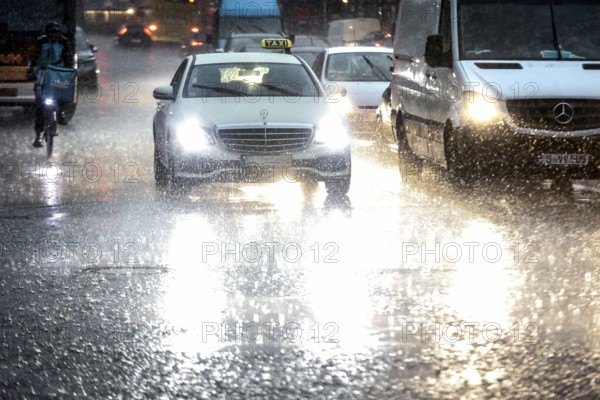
(52, 26)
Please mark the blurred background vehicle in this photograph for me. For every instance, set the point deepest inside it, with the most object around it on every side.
(172, 20)
(197, 43)
(134, 34)
(350, 32)
(246, 16)
(308, 54)
(376, 38)
(308, 47)
(87, 65)
(308, 41)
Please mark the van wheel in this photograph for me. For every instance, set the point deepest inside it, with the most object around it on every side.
(401, 139)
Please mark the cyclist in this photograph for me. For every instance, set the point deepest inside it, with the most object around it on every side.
(54, 50)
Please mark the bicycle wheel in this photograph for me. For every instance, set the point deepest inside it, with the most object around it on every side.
(50, 132)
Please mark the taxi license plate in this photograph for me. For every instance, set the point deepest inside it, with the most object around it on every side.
(564, 159)
(8, 92)
(266, 161)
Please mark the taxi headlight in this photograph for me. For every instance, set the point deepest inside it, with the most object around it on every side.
(481, 109)
(191, 136)
(332, 132)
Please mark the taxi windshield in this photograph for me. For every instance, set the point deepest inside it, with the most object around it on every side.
(251, 80)
(532, 30)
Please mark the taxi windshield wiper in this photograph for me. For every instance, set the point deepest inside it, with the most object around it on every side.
(278, 89)
(220, 89)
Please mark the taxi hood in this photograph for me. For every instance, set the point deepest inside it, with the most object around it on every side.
(532, 79)
(232, 110)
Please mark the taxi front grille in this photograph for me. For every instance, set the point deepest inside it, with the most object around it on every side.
(265, 139)
(555, 114)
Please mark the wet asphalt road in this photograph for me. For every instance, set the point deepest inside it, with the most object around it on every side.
(408, 288)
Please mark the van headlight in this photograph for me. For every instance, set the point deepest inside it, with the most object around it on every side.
(333, 133)
(192, 137)
(481, 109)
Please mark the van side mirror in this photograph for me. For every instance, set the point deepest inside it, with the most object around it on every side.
(434, 53)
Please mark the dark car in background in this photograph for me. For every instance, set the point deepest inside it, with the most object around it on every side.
(134, 34)
(87, 65)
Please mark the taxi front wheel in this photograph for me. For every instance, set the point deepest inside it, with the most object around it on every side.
(174, 185)
(161, 174)
(338, 187)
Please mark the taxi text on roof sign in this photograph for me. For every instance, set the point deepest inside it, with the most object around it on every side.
(276, 43)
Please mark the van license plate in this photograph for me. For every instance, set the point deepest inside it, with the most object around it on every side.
(564, 159)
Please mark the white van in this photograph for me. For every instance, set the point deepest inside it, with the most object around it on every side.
(481, 82)
(350, 32)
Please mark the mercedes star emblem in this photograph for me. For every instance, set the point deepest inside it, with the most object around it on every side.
(264, 113)
(563, 113)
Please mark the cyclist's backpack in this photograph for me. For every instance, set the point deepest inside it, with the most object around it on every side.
(59, 83)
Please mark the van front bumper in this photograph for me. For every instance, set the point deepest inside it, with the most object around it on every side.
(573, 154)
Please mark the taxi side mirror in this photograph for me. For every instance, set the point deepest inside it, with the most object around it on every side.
(163, 93)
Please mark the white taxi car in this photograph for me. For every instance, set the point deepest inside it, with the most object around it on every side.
(248, 117)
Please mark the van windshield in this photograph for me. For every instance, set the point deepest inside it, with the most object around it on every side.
(529, 30)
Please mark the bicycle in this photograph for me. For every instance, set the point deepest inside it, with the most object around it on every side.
(58, 86)
(50, 125)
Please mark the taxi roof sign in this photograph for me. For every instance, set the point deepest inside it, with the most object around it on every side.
(276, 43)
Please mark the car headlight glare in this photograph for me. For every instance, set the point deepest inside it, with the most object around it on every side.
(481, 109)
(192, 136)
(344, 105)
(332, 133)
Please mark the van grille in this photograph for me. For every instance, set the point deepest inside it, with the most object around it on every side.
(546, 113)
(265, 139)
